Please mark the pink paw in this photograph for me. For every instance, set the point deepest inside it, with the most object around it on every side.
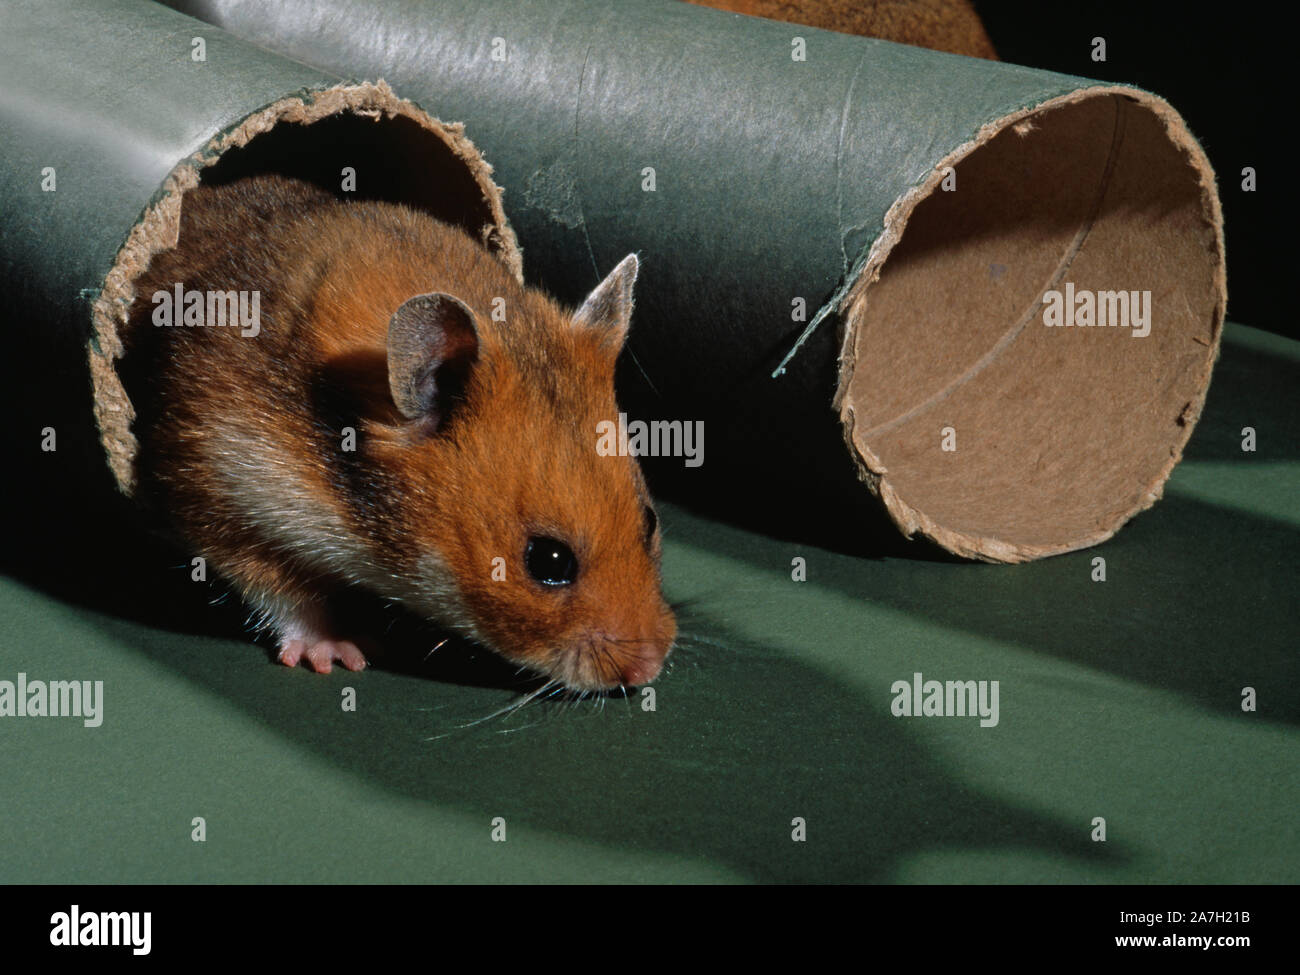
(321, 654)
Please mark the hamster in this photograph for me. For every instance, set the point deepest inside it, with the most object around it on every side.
(379, 427)
(941, 25)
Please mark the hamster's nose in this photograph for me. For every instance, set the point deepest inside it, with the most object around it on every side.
(637, 649)
(634, 673)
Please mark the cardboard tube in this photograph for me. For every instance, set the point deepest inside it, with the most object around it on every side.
(112, 110)
(846, 243)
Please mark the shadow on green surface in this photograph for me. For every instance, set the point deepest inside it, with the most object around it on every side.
(1251, 388)
(1199, 601)
(716, 773)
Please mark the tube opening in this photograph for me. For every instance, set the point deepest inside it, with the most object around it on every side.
(982, 426)
(395, 152)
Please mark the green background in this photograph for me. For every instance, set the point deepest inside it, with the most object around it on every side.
(1118, 699)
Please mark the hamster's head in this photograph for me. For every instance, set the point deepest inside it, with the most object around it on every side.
(525, 530)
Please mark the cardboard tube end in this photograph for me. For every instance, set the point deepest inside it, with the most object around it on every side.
(407, 155)
(980, 425)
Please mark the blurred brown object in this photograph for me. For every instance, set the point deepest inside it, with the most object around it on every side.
(941, 25)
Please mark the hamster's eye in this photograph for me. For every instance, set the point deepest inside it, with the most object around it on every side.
(550, 561)
(651, 523)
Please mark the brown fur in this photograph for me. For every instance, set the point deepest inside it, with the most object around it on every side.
(240, 436)
(941, 25)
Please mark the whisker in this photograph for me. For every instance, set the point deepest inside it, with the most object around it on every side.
(436, 648)
(509, 708)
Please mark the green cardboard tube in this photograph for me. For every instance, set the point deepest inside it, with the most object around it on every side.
(111, 110)
(845, 243)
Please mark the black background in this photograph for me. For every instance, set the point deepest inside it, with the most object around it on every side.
(236, 925)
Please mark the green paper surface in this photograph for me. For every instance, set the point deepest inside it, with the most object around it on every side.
(1119, 700)
(101, 101)
(106, 94)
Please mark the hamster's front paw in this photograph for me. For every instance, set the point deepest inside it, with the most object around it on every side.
(306, 632)
(321, 654)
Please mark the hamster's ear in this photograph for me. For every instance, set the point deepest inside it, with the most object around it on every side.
(432, 343)
(608, 309)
